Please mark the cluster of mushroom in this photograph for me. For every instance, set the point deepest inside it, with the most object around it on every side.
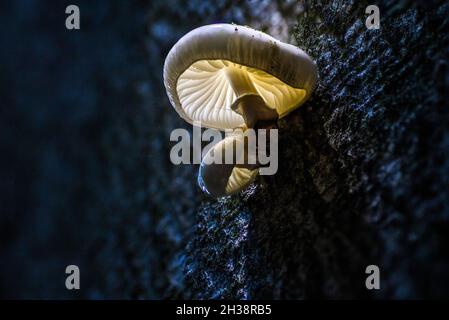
(226, 76)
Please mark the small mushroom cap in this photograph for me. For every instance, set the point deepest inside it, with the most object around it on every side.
(218, 180)
(197, 85)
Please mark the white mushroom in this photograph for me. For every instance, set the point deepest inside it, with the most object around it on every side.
(221, 179)
(228, 76)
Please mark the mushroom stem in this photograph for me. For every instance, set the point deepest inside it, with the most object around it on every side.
(248, 103)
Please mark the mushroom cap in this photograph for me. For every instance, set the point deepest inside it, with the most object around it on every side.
(197, 86)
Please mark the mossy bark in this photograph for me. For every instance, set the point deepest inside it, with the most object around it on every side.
(363, 171)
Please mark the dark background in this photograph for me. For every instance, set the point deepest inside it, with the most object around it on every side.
(85, 176)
